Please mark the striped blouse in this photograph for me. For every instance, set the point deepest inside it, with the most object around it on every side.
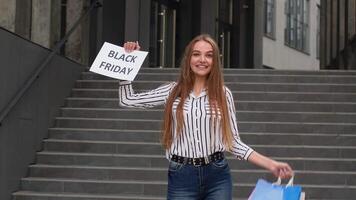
(199, 137)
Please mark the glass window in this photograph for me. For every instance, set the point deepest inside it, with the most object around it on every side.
(269, 18)
(297, 24)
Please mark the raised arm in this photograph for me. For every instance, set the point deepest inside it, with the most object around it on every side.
(128, 97)
(156, 97)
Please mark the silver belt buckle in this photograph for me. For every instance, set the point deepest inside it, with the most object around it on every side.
(206, 159)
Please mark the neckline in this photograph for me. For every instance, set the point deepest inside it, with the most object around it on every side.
(201, 94)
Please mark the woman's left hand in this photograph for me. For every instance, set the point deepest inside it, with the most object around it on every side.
(131, 46)
(281, 169)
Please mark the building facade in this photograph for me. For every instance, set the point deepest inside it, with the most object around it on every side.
(291, 29)
(277, 34)
(163, 27)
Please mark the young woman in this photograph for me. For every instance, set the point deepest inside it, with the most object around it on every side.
(199, 125)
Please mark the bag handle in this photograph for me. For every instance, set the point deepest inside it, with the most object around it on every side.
(279, 181)
(290, 182)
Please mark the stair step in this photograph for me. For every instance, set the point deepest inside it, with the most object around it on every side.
(245, 126)
(343, 117)
(97, 187)
(289, 106)
(271, 78)
(158, 188)
(155, 148)
(240, 95)
(234, 86)
(160, 174)
(259, 71)
(158, 160)
(29, 195)
(249, 137)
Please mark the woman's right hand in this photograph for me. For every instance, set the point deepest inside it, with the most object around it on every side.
(131, 46)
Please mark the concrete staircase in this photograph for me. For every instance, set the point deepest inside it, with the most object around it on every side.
(100, 151)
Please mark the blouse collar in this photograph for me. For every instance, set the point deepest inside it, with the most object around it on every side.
(202, 94)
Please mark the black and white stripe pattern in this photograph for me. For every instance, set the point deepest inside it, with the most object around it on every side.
(201, 134)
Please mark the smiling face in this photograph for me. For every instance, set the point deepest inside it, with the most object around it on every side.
(201, 59)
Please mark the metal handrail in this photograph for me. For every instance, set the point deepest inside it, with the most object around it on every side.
(19, 94)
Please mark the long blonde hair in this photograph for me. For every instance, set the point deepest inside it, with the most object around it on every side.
(215, 91)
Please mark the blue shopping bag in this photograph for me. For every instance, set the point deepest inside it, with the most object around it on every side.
(275, 191)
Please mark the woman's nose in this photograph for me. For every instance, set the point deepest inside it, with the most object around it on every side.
(202, 58)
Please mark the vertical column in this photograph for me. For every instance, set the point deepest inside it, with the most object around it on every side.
(208, 16)
(235, 43)
(85, 47)
(241, 33)
(338, 49)
(7, 17)
(334, 25)
(352, 55)
(322, 34)
(114, 21)
(144, 23)
(248, 33)
(41, 19)
(137, 23)
(345, 33)
(328, 40)
(342, 24)
(73, 45)
(132, 20)
(186, 29)
(352, 18)
(55, 29)
(23, 18)
(94, 40)
(258, 34)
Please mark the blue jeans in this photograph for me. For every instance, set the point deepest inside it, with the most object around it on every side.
(209, 182)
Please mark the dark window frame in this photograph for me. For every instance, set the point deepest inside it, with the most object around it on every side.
(270, 19)
(297, 25)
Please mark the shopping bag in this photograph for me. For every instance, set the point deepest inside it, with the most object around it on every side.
(275, 191)
(302, 196)
(266, 191)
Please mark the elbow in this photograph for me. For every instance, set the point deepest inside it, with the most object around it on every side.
(124, 103)
(121, 103)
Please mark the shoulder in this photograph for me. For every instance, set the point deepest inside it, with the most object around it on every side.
(168, 86)
(227, 90)
(228, 94)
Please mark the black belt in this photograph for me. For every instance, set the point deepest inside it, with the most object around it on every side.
(198, 161)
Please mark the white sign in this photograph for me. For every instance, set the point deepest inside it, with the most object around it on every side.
(115, 62)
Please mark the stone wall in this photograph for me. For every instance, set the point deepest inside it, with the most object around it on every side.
(7, 16)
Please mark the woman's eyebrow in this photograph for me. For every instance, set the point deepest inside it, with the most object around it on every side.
(210, 51)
